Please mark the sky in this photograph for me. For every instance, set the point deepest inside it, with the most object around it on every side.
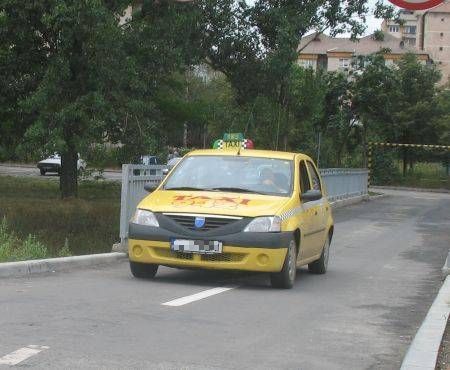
(372, 22)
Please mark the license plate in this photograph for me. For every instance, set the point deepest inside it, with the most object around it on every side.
(196, 246)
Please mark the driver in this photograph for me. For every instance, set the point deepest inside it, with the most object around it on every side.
(268, 179)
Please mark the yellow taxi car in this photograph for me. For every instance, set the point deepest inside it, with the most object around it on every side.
(233, 208)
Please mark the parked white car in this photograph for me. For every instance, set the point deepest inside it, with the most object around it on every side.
(53, 164)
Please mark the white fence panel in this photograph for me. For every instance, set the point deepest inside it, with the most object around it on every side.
(134, 177)
(343, 183)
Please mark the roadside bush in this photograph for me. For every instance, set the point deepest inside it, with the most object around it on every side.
(384, 170)
(7, 241)
(30, 249)
(102, 156)
(13, 249)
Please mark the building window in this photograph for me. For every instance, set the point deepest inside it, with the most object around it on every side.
(344, 63)
(306, 63)
(442, 34)
(411, 30)
(409, 41)
(394, 28)
(441, 48)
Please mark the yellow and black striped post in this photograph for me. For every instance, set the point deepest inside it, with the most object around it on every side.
(371, 146)
(369, 164)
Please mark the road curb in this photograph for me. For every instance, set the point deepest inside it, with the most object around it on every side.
(421, 190)
(22, 165)
(424, 349)
(32, 267)
(446, 268)
(349, 201)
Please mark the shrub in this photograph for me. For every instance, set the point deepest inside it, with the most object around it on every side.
(13, 249)
(31, 249)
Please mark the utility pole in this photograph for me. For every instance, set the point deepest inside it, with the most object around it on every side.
(319, 139)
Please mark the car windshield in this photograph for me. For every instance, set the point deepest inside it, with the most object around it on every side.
(233, 174)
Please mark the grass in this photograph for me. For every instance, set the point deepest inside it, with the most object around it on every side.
(14, 249)
(36, 216)
(373, 193)
(423, 175)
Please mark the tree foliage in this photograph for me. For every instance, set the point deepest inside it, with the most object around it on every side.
(74, 77)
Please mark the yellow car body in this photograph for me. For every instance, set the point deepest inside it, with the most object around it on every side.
(308, 223)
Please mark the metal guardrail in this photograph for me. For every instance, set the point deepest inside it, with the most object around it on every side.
(339, 183)
(344, 183)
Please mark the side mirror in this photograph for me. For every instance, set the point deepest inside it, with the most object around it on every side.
(311, 196)
(150, 187)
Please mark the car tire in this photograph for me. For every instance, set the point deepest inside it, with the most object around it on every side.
(286, 277)
(42, 171)
(321, 265)
(143, 270)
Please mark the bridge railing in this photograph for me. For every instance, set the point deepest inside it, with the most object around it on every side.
(340, 184)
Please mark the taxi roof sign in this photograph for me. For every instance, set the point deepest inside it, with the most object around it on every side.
(233, 141)
(233, 137)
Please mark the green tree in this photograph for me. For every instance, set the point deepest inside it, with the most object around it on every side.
(82, 74)
(23, 55)
(256, 46)
(83, 78)
(398, 103)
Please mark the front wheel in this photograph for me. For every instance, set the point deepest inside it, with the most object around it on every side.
(321, 265)
(286, 277)
(42, 171)
(143, 270)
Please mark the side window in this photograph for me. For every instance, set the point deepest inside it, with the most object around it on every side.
(315, 179)
(304, 178)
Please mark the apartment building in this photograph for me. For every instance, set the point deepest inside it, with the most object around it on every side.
(320, 51)
(427, 31)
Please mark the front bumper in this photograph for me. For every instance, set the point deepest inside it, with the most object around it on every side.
(232, 258)
(263, 252)
(49, 167)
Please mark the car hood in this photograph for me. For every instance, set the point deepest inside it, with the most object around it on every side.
(51, 161)
(220, 203)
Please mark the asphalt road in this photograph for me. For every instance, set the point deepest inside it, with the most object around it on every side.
(29, 171)
(384, 274)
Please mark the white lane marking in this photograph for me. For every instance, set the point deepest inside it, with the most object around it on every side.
(196, 297)
(21, 354)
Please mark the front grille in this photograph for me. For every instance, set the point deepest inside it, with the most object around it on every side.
(167, 253)
(211, 222)
(223, 257)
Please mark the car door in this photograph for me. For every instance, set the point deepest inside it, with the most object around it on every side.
(308, 245)
(318, 229)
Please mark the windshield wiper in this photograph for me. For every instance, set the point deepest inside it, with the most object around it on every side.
(236, 190)
(186, 188)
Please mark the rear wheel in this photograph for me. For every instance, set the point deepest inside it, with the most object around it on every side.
(286, 277)
(143, 270)
(42, 171)
(321, 265)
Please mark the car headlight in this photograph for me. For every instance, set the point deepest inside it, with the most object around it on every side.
(264, 225)
(143, 217)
